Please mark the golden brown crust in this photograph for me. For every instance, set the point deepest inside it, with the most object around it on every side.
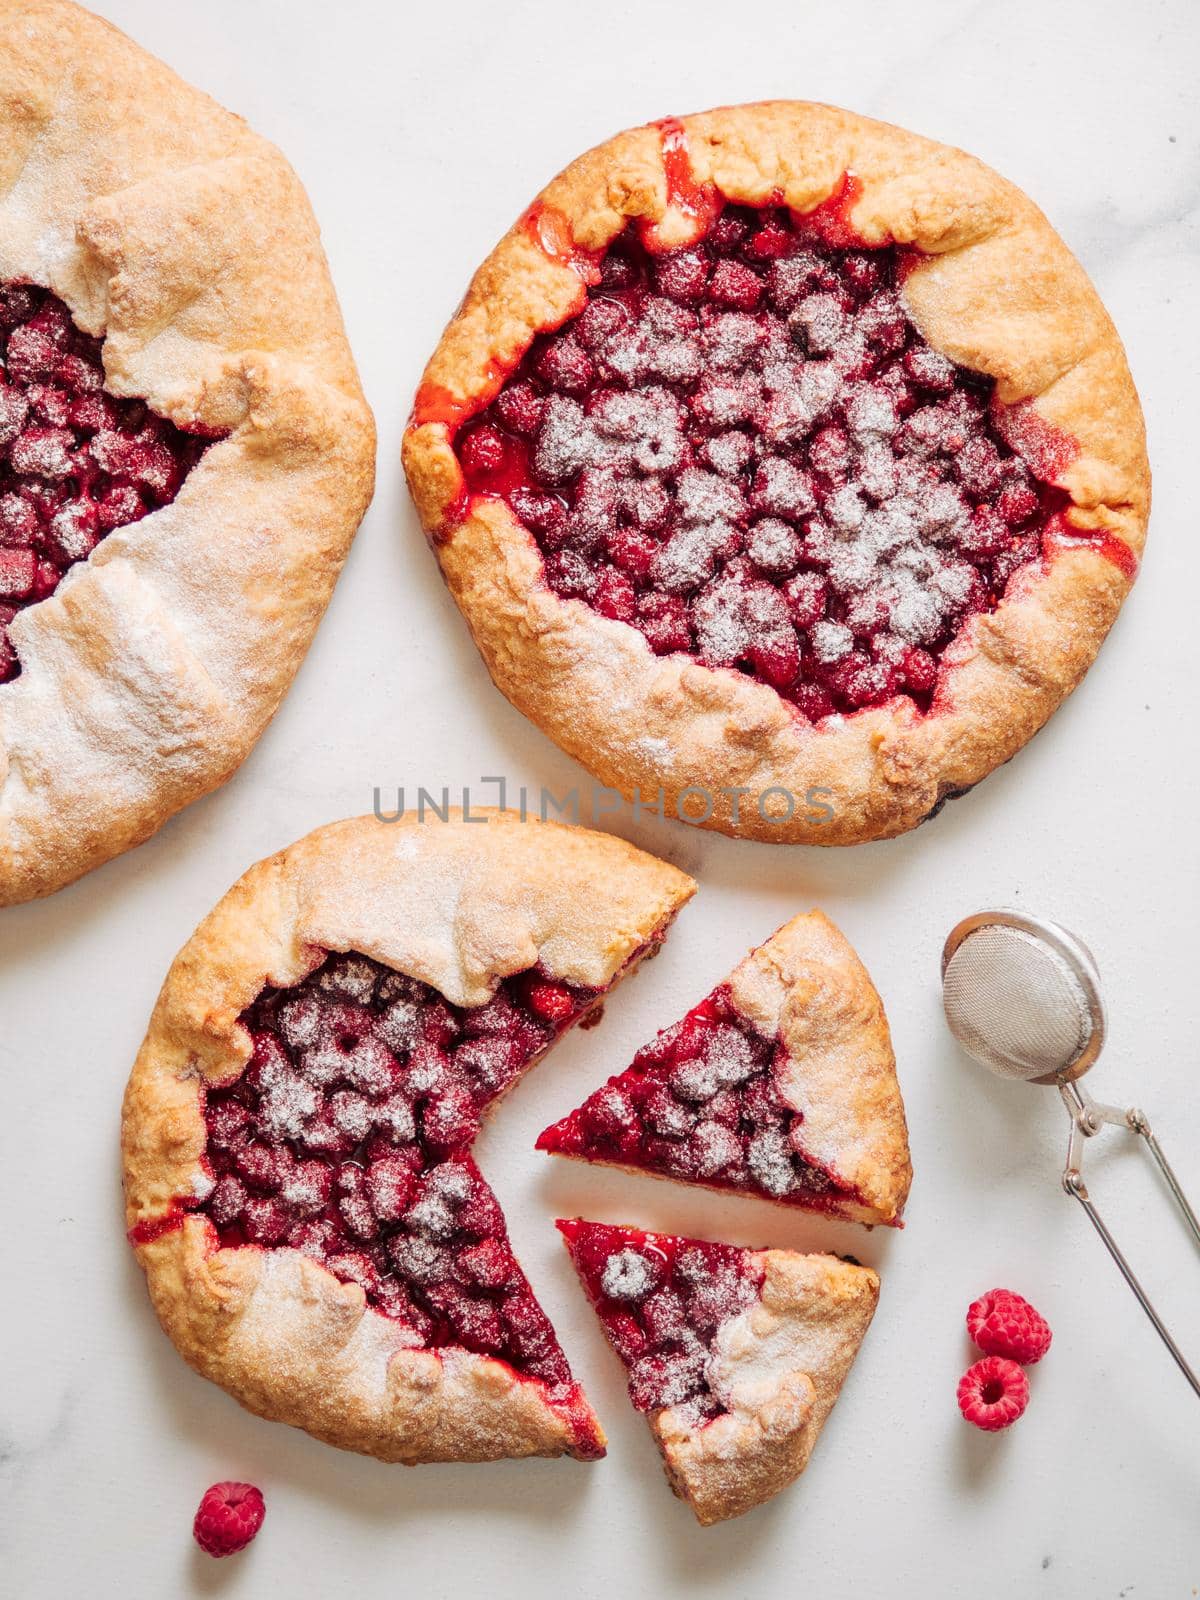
(188, 242)
(998, 291)
(778, 1367)
(458, 905)
(807, 984)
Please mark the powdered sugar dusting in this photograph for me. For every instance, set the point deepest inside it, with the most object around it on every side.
(75, 462)
(347, 1140)
(804, 1324)
(663, 1301)
(704, 1103)
(721, 426)
(627, 1276)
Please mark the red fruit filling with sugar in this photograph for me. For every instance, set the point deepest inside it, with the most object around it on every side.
(348, 1136)
(661, 1300)
(701, 1103)
(75, 462)
(746, 450)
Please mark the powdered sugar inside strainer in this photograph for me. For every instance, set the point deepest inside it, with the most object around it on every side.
(1022, 996)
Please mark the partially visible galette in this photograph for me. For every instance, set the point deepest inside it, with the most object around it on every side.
(185, 451)
(784, 462)
(298, 1127)
(735, 1357)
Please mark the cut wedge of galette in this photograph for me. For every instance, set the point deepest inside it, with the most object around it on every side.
(735, 1356)
(298, 1127)
(780, 1083)
(786, 463)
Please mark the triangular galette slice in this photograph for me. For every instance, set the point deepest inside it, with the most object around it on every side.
(736, 1356)
(299, 1125)
(780, 1083)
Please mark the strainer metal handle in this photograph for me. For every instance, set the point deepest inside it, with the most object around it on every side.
(1028, 1006)
(1087, 1118)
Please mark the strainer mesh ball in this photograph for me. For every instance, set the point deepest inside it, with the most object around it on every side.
(1014, 1003)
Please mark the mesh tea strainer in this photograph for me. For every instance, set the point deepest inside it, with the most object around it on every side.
(1023, 997)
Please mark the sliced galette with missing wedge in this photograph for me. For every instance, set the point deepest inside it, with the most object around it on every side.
(298, 1127)
(735, 1356)
(780, 1083)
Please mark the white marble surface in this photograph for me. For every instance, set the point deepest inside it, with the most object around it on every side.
(421, 131)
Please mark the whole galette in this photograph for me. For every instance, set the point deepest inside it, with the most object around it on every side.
(298, 1127)
(185, 452)
(786, 468)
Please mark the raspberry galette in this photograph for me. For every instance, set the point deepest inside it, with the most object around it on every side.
(185, 452)
(735, 1356)
(785, 463)
(298, 1127)
(780, 1083)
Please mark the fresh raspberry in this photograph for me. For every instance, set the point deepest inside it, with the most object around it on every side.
(230, 1515)
(1001, 1323)
(993, 1393)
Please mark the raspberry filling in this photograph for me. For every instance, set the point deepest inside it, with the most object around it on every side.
(701, 1103)
(75, 463)
(348, 1136)
(746, 450)
(661, 1300)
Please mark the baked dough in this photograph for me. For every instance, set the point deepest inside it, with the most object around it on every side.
(170, 229)
(459, 907)
(750, 1348)
(781, 1083)
(987, 283)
